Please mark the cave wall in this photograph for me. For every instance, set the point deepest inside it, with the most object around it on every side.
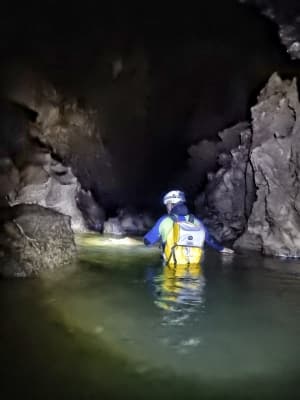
(253, 198)
(139, 81)
(71, 131)
(274, 224)
(36, 158)
(286, 14)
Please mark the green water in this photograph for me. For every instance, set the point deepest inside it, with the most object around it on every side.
(118, 325)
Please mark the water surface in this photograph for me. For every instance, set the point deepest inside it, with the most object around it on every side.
(120, 325)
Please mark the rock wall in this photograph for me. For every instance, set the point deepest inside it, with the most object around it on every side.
(33, 176)
(69, 129)
(255, 193)
(224, 205)
(34, 239)
(204, 156)
(9, 179)
(51, 153)
(128, 222)
(274, 224)
(93, 214)
(287, 16)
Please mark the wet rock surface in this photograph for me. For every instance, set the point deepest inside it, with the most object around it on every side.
(274, 224)
(47, 182)
(113, 227)
(34, 239)
(31, 172)
(255, 193)
(225, 203)
(128, 222)
(9, 179)
(134, 223)
(207, 154)
(93, 213)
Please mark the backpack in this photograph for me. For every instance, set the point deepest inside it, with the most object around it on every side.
(184, 242)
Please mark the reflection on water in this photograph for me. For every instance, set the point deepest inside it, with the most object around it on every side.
(123, 326)
(179, 290)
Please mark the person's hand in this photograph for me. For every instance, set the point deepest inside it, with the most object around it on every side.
(226, 250)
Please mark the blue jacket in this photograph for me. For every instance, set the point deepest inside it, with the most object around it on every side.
(180, 210)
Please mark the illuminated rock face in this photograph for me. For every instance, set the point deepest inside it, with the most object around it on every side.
(128, 222)
(287, 17)
(34, 239)
(61, 148)
(255, 193)
(274, 224)
(33, 176)
(69, 130)
(49, 184)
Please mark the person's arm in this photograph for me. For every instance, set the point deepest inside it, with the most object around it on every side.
(214, 244)
(153, 236)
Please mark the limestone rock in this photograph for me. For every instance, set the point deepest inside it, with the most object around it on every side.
(204, 156)
(222, 206)
(9, 177)
(113, 227)
(134, 223)
(33, 175)
(274, 224)
(51, 185)
(93, 213)
(255, 193)
(34, 239)
(128, 222)
(68, 129)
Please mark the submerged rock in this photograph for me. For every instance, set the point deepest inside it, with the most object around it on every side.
(274, 224)
(34, 239)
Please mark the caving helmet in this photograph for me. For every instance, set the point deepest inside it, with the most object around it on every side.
(174, 197)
